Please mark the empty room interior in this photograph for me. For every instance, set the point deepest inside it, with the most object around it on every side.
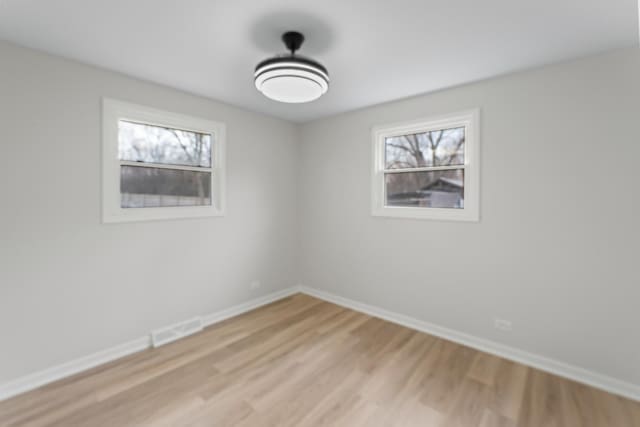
(339, 213)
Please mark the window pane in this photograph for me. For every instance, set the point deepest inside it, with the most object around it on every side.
(435, 148)
(139, 142)
(142, 187)
(435, 189)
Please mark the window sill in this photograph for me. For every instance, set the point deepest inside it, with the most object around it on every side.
(163, 213)
(435, 214)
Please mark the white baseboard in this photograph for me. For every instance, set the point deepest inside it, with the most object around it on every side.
(612, 385)
(49, 375)
(210, 319)
(603, 382)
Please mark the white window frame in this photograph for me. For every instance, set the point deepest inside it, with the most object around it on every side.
(114, 111)
(470, 120)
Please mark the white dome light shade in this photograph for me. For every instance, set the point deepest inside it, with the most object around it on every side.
(291, 78)
(291, 89)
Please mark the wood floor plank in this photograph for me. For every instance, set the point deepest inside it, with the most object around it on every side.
(360, 414)
(491, 419)
(413, 413)
(304, 362)
(543, 401)
(507, 389)
(440, 388)
(485, 368)
(397, 380)
(470, 404)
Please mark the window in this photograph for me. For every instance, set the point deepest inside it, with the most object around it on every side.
(160, 165)
(427, 169)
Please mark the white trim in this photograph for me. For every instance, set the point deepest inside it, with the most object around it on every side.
(426, 169)
(165, 166)
(55, 373)
(236, 310)
(470, 120)
(112, 112)
(49, 375)
(556, 367)
(179, 330)
(604, 382)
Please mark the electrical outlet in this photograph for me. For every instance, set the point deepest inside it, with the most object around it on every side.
(502, 324)
(255, 285)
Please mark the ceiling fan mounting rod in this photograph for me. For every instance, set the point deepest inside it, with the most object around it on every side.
(293, 40)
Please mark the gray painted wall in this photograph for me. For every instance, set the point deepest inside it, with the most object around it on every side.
(69, 285)
(556, 250)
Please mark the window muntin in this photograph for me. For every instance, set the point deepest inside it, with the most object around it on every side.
(160, 165)
(427, 169)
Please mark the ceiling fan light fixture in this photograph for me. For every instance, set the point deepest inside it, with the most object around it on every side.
(291, 78)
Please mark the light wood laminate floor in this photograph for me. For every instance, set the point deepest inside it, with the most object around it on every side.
(304, 362)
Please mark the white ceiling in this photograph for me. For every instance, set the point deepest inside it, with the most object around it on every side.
(375, 50)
